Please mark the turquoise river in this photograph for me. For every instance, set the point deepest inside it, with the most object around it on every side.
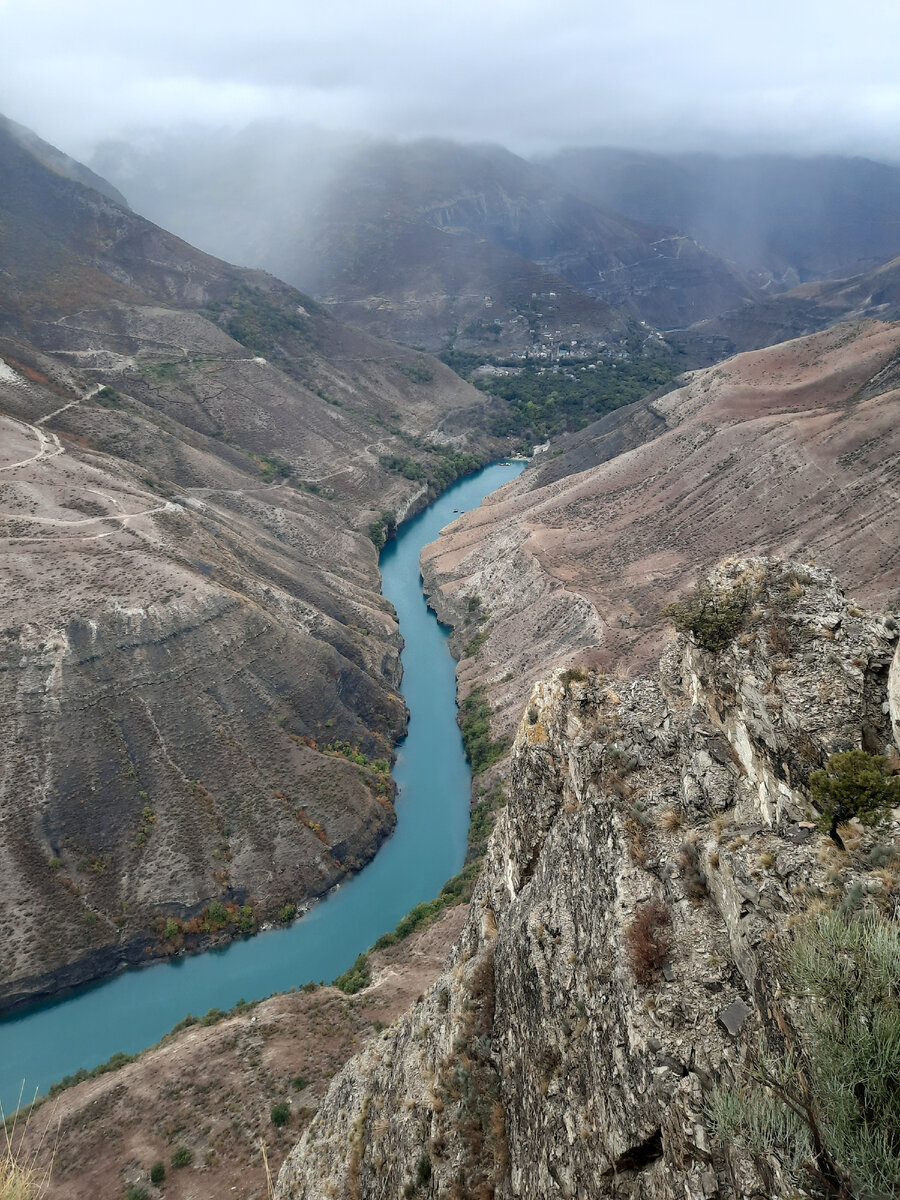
(134, 1009)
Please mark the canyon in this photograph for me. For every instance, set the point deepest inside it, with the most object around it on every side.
(569, 1048)
(194, 643)
(200, 686)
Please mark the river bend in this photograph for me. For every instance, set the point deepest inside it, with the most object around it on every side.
(134, 1009)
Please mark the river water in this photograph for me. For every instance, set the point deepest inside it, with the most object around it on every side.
(134, 1009)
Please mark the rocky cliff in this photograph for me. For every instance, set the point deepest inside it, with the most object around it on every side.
(623, 951)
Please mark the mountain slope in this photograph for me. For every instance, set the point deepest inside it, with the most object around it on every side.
(415, 238)
(794, 449)
(805, 309)
(624, 970)
(787, 220)
(191, 457)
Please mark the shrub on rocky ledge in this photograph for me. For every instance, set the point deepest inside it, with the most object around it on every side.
(713, 614)
(355, 978)
(649, 940)
(280, 1114)
(831, 1113)
(854, 784)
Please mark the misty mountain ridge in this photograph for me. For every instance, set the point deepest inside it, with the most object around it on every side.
(784, 220)
(323, 223)
(439, 244)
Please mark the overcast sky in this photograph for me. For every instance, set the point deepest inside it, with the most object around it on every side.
(658, 74)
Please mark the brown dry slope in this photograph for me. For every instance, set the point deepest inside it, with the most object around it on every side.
(190, 613)
(793, 449)
(211, 1088)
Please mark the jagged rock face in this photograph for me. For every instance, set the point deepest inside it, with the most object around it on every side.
(556, 1057)
(790, 449)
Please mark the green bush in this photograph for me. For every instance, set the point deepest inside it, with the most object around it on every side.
(182, 1157)
(356, 977)
(854, 784)
(113, 1063)
(712, 614)
(158, 1171)
(383, 529)
(280, 1113)
(474, 721)
(832, 1112)
(418, 371)
(134, 1191)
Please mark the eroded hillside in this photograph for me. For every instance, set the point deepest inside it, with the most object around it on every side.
(198, 692)
(792, 449)
(624, 956)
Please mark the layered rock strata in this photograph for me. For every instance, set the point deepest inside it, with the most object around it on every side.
(198, 674)
(789, 450)
(554, 1058)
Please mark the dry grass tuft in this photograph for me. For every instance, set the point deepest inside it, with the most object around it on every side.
(649, 941)
(21, 1176)
(670, 819)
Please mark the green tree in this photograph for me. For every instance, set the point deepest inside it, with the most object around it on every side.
(854, 784)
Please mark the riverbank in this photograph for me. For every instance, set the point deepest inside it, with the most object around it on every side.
(134, 1009)
(210, 1088)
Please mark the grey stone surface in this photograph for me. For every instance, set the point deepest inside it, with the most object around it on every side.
(552, 1059)
(734, 1016)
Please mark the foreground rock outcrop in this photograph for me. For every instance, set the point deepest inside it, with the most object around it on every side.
(622, 951)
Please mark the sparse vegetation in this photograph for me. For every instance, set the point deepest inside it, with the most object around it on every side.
(383, 528)
(182, 1157)
(831, 1113)
(355, 978)
(540, 401)
(482, 750)
(468, 1086)
(649, 941)
(713, 614)
(265, 322)
(572, 675)
(854, 785)
(108, 397)
(418, 371)
(112, 1064)
(20, 1176)
(692, 872)
(440, 466)
(280, 1113)
(158, 1171)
